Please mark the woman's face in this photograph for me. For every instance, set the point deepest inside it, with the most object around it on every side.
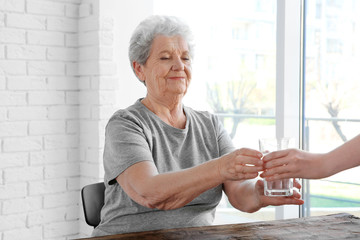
(167, 71)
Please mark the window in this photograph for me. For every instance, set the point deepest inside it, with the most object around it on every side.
(242, 72)
(334, 46)
(332, 101)
(318, 9)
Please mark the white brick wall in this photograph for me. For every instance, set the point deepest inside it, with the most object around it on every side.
(42, 38)
(57, 90)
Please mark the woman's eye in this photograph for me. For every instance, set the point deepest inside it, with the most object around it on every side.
(164, 58)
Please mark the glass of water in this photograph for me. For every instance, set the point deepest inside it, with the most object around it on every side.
(282, 187)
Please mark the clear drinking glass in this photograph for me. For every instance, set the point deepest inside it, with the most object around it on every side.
(282, 187)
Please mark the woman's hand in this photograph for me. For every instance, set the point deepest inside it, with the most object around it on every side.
(248, 196)
(293, 163)
(240, 164)
(264, 201)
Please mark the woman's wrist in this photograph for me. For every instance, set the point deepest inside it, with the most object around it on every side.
(244, 195)
(324, 165)
(217, 169)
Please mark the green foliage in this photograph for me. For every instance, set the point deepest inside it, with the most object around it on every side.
(317, 202)
(259, 121)
(337, 194)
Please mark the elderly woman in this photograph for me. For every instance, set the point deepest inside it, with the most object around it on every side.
(166, 165)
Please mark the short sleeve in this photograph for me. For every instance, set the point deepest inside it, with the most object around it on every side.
(224, 140)
(126, 143)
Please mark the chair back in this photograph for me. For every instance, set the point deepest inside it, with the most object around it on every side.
(93, 200)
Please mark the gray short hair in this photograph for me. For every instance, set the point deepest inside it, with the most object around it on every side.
(144, 34)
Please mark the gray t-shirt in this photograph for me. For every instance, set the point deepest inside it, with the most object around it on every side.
(136, 134)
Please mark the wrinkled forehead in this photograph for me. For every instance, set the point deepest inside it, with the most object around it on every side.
(162, 43)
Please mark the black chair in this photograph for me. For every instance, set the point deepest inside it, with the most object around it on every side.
(93, 200)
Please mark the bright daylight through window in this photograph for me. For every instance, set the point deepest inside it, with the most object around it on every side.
(234, 76)
(332, 100)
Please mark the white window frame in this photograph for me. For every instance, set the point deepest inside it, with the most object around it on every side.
(289, 80)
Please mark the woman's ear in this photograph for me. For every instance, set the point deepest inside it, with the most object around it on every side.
(139, 71)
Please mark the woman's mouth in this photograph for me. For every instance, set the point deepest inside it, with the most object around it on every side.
(176, 78)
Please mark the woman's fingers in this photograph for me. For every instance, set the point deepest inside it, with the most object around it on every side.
(248, 161)
(278, 162)
(281, 164)
(246, 172)
(277, 172)
(247, 169)
(279, 158)
(241, 164)
(246, 164)
(248, 157)
(260, 184)
(295, 199)
(297, 183)
(276, 154)
(249, 152)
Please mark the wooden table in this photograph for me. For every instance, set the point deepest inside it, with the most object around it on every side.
(336, 226)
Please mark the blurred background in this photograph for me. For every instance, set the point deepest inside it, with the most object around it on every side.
(64, 70)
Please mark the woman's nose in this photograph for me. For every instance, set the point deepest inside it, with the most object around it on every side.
(178, 64)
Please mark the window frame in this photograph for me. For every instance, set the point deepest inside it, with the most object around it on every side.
(289, 73)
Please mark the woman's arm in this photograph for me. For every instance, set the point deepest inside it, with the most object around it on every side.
(248, 195)
(146, 186)
(344, 157)
(300, 164)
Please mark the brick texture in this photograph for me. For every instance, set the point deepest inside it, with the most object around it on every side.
(57, 88)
